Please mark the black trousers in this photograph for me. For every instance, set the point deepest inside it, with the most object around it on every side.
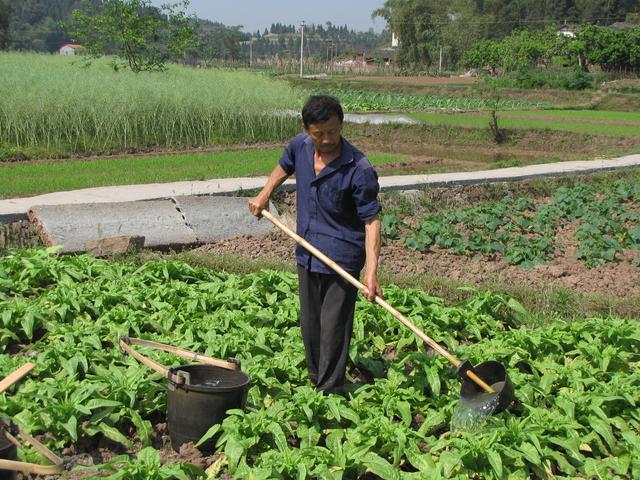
(327, 304)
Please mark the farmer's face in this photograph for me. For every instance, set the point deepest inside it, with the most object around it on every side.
(326, 135)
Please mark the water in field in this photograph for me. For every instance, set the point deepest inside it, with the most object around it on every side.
(469, 416)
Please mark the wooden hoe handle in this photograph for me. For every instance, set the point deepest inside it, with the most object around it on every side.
(349, 278)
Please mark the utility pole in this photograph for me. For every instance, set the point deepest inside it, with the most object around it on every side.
(440, 61)
(250, 51)
(301, 46)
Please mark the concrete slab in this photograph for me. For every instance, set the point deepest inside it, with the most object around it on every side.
(408, 182)
(14, 209)
(17, 208)
(74, 226)
(216, 217)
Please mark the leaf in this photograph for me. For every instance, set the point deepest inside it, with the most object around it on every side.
(233, 450)
(495, 461)
(449, 462)
(143, 427)
(421, 461)
(278, 436)
(149, 456)
(332, 404)
(27, 324)
(102, 402)
(216, 467)
(71, 426)
(530, 453)
(604, 430)
(434, 381)
(405, 412)
(114, 434)
(209, 434)
(379, 466)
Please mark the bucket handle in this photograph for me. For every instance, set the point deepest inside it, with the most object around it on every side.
(9, 429)
(125, 346)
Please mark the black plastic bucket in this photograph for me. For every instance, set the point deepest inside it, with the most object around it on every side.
(495, 374)
(202, 401)
(8, 451)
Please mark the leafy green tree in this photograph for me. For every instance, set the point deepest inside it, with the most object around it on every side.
(230, 40)
(412, 21)
(486, 54)
(611, 50)
(143, 37)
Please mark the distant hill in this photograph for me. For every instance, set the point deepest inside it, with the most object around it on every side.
(35, 24)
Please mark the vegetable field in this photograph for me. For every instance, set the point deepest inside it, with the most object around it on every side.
(577, 384)
(363, 101)
(524, 233)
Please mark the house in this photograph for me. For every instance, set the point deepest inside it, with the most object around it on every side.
(395, 40)
(69, 49)
(566, 30)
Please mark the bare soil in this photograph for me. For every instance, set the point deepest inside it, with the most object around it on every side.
(616, 279)
(88, 452)
(418, 80)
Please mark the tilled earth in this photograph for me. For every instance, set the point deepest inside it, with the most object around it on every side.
(620, 279)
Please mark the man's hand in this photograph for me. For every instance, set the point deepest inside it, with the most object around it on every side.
(372, 287)
(258, 204)
(372, 247)
(261, 202)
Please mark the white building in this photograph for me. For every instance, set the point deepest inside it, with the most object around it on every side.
(69, 49)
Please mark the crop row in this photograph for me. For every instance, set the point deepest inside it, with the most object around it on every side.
(576, 383)
(364, 101)
(524, 233)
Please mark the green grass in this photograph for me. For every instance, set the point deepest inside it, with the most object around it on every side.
(21, 179)
(577, 121)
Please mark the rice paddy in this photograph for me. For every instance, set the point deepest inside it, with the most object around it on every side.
(623, 124)
(25, 178)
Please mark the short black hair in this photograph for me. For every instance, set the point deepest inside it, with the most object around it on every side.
(320, 108)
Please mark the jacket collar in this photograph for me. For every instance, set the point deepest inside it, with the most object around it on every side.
(345, 157)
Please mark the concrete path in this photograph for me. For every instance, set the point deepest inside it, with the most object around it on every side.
(17, 208)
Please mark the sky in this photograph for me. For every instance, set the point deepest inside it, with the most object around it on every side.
(260, 14)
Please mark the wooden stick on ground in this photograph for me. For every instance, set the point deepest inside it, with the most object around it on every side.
(15, 376)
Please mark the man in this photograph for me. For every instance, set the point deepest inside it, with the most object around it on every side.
(337, 210)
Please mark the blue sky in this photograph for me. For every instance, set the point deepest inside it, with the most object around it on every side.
(260, 14)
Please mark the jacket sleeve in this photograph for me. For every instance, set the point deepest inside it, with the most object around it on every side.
(365, 193)
(288, 158)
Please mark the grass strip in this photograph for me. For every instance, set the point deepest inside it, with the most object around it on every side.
(21, 179)
(514, 120)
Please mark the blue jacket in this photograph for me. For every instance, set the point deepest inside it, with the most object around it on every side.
(334, 206)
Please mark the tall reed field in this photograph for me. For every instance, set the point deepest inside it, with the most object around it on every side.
(55, 103)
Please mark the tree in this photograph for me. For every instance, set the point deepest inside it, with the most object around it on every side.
(5, 20)
(230, 41)
(143, 37)
(412, 21)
